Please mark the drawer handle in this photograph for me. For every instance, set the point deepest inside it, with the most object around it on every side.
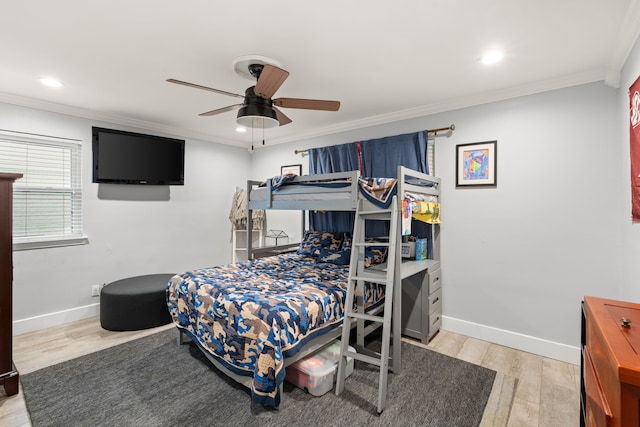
(435, 300)
(626, 322)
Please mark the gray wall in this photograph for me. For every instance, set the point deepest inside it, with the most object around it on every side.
(629, 286)
(516, 259)
(128, 234)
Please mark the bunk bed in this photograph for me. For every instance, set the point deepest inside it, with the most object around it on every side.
(254, 318)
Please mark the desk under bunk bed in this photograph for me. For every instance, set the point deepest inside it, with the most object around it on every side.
(254, 318)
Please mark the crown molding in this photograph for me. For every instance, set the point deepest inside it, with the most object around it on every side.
(577, 79)
(54, 107)
(410, 113)
(623, 44)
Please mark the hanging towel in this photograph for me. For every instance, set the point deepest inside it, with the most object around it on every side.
(238, 213)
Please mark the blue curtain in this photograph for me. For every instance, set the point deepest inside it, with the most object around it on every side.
(380, 158)
(335, 158)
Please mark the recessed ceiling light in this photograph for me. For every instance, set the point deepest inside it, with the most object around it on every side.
(492, 57)
(47, 81)
(241, 129)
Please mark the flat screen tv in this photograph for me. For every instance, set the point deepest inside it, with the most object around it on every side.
(121, 157)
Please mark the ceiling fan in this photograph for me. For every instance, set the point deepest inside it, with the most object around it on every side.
(258, 110)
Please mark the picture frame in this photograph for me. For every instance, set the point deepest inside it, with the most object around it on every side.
(291, 169)
(476, 164)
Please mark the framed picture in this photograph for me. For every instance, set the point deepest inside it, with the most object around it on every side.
(291, 169)
(476, 164)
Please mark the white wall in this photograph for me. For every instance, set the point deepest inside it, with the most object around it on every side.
(518, 259)
(128, 235)
(266, 162)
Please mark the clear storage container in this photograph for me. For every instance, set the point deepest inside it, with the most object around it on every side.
(316, 373)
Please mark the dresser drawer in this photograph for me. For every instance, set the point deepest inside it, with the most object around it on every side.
(598, 412)
(435, 301)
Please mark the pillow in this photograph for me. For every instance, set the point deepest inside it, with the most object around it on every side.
(374, 254)
(338, 257)
(313, 241)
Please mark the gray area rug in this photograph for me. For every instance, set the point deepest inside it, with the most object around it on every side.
(153, 381)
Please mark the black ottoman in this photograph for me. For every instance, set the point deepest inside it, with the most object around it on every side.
(135, 303)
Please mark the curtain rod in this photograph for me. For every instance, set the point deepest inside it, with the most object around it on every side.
(433, 131)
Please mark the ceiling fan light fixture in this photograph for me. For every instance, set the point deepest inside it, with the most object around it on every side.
(257, 116)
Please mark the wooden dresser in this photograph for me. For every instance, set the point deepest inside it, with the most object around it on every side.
(8, 373)
(610, 382)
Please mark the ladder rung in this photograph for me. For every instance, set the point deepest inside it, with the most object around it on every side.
(369, 244)
(379, 279)
(363, 316)
(364, 357)
(386, 212)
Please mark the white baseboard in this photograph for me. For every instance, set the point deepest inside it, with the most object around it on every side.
(541, 347)
(54, 319)
(503, 337)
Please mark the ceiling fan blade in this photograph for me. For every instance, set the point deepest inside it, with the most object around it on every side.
(221, 110)
(222, 92)
(282, 118)
(270, 80)
(307, 104)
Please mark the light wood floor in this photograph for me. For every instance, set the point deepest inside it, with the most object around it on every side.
(529, 390)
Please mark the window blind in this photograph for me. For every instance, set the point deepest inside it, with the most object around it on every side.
(431, 157)
(47, 204)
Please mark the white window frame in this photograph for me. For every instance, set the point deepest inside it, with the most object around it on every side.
(21, 188)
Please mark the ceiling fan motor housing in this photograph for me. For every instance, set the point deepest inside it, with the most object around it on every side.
(257, 111)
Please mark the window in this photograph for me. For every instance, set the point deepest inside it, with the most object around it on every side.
(431, 156)
(47, 203)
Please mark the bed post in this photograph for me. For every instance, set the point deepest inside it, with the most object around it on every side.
(249, 223)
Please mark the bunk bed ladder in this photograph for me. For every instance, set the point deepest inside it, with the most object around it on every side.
(358, 274)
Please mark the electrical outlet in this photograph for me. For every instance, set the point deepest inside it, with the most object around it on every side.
(95, 290)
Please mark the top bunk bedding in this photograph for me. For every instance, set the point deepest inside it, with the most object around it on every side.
(338, 191)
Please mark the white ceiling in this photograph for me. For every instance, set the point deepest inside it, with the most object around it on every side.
(384, 60)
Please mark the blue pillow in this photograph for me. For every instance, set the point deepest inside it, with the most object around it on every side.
(339, 257)
(374, 254)
(314, 241)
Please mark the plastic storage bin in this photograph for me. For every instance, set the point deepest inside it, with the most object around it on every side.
(316, 373)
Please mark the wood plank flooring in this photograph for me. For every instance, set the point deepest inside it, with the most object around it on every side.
(529, 390)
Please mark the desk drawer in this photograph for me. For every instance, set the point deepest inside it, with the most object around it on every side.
(435, 321)
(435, 301)
(434, 281)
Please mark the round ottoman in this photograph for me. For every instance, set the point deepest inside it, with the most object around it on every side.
(135, 303)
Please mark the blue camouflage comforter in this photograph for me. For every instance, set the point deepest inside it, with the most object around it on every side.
(253, 314)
